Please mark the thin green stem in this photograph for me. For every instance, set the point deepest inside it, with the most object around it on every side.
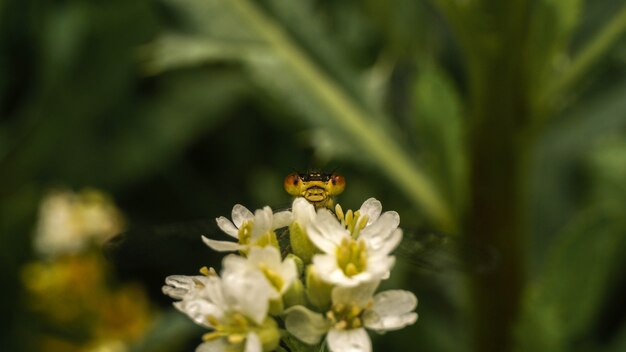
(352, 117)
(594, 50)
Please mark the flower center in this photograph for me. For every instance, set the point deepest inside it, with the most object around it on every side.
(245, 232)
(234, 327)
(352, 256)
(345, 316)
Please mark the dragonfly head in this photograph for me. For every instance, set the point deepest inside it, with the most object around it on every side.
(316, 187)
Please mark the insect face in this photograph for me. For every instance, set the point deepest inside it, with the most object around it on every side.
(316, 187)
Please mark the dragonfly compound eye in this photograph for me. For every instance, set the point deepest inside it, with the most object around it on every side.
(292, 184)
(337, 184)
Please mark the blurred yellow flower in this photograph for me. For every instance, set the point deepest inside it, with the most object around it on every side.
(72, 290)
(69, 222)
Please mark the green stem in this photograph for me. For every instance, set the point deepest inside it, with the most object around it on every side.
(352, 118)
(499, 115)
(594, 50)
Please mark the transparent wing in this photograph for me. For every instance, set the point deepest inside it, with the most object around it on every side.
(434, 251)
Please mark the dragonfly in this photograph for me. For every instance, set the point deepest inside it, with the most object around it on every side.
(423, 249)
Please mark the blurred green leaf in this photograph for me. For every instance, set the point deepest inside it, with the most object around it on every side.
(585, 58)
(287, 69)
(551, 27)
(555, 179)
(439, 127)
(562, 304)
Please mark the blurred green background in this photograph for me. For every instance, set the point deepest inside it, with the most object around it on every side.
(501, 124)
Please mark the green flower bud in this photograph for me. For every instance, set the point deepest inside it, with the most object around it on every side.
(318, 291)
(300, 243)
(295, 295)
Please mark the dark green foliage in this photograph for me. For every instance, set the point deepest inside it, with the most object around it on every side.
(498, 122)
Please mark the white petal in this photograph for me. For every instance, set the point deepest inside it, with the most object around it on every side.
(262, 222)
(388, 245)
(320, 241)
(198, 310)
(213, 291)
(218, 345)
(235, 263)
(222, 246)
(391, 310)
(326, 233)
(303, 211)
(180, 286)
(267, 255)
(289, 272)
(372, 208)
(241, 214)
(381, 230)
(353, 340)
(305, 325)
(227, 226)
(248, 292)
(327, 268)
(282, 219)
(253, 343)
(380, 266)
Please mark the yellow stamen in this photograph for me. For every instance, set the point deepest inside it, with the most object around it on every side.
(213, 335)
(339, 213)
(236, 338)
(207, 271)
(273, 277)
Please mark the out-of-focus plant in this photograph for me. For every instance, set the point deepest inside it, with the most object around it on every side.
(71, 289)
(500, 123)
(521, 70)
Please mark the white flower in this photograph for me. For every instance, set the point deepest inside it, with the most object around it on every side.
(266, 261)
(353, 257)
(249, 229)
(182, 286)
(353, 310)
(235, 307)
(69, 222)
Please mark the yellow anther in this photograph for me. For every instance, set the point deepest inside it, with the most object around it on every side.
(212, 320)
(330, 315)
(239, 320)
(207, 271)
(273, 277)
(341, 325)
(339, 213)
(236, 338)
(349, 219)
(350, 270)
(355, 311)
(245, 231)
(213, 335)
(363, 221)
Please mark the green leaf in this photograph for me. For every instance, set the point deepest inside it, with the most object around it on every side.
(439, 127)
(293, 77)
(563, 303)
(551, 28)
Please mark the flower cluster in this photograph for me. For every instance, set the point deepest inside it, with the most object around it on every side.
(319, 290)
(70, 286)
